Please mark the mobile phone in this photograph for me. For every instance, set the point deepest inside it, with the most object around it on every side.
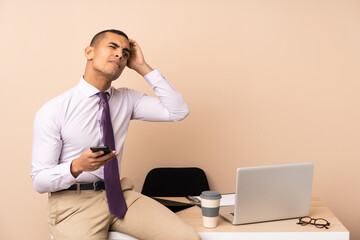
(105, 149)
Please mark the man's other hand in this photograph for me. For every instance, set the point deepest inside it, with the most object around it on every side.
(90, 161)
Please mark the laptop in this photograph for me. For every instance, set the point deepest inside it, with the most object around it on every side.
(269, 193)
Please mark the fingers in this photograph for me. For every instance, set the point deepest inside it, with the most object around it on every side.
(99, 161)
(107, 157)
(134, 47)
(96, 154)
(93, 160)
(136, 60)
(132, 42)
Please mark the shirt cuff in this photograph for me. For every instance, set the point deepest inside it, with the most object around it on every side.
(154, 76)
(68, 178)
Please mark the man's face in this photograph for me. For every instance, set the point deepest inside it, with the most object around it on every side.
(110, 55)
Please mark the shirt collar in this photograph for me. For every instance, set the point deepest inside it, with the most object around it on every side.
(89, 90)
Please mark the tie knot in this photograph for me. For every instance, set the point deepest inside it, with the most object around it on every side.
(103, 96)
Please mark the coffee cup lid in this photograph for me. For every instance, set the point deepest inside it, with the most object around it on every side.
(210, 195)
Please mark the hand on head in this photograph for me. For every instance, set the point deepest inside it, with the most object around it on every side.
(136, 60)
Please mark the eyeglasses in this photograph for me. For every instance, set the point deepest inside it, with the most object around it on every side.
(194, 200)
(318, 222)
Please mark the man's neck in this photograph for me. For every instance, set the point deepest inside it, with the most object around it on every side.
(100, 82)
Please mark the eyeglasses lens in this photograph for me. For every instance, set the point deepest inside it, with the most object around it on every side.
(320, 223)
(305, 220)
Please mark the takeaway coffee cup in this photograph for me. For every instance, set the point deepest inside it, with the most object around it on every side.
(210, 204)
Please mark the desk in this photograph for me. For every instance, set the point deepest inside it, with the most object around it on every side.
(276, 230)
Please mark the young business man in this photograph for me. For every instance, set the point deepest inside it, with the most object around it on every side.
(86, 196)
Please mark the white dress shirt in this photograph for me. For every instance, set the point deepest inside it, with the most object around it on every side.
(69, 124)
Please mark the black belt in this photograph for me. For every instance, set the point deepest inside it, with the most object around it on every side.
(87, 186)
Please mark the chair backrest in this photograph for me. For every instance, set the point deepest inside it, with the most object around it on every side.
(175, 182)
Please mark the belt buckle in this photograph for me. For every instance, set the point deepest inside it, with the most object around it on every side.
(95, 185)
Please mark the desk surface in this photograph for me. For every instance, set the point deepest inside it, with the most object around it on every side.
(285, 229)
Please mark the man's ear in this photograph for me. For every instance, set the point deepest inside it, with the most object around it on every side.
(89, 52)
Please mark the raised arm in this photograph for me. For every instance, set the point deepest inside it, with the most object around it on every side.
(169, 105)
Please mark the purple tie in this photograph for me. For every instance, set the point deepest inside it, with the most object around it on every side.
(114, 194)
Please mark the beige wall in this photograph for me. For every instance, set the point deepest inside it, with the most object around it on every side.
(267, 82)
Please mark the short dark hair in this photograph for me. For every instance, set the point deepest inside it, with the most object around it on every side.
(100, 35)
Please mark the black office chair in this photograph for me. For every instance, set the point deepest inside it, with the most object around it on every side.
(175, 182)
